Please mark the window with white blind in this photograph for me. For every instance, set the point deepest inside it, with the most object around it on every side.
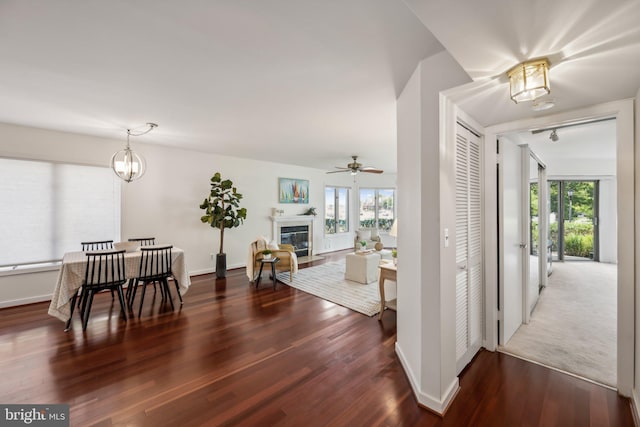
(48, 208)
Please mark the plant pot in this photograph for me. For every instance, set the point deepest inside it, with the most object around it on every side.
(266, 256)
(221, 266)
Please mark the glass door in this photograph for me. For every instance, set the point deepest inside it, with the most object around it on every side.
(579, 199)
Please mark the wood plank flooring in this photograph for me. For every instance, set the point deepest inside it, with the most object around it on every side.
(234, 355)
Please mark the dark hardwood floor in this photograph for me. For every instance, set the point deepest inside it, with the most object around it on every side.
(234, 355)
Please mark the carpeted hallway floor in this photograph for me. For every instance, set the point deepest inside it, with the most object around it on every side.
(573, 327)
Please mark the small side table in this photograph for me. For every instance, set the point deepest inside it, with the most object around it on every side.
(273, 261)
(388, 271)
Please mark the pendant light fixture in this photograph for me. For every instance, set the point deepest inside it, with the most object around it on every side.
(529, 80)
(128, 164)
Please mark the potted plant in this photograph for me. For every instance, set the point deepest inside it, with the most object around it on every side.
(222, 210)
(394, 255)
(266, 254)
(363, 245)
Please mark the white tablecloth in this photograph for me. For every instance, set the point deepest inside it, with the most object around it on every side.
(74, 265)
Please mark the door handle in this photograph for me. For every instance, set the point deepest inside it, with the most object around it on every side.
(523, 245)
(462, 267)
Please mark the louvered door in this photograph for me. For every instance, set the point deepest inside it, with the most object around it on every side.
(469, 295)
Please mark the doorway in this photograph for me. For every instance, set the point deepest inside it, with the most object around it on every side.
(562, 324)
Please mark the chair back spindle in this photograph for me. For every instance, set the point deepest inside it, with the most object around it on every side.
(105, 269)
(97, 246)
(144, 241)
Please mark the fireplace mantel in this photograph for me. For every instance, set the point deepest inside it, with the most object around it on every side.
(279, 221)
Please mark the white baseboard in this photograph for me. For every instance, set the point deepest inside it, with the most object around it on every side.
(439, 406)
(25, 301)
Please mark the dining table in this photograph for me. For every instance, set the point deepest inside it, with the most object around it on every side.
(74, 267)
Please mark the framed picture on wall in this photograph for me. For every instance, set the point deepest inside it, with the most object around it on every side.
(293, 190)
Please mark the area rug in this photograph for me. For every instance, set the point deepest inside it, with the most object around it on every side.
(573, 327)
(327, 282)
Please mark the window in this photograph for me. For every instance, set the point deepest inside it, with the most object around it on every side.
(377, 208)
(48, 208)
(336, 210)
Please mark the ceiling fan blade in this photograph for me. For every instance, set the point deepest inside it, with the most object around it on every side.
(370, 170)
(341, 170)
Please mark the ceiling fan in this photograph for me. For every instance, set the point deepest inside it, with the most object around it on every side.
(356, 167)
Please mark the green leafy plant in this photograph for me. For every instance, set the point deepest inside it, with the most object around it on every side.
(394, 253)
(363, 243)
(222, 207)
(266, 252)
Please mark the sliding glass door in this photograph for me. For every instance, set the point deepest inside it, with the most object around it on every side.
(574, 220)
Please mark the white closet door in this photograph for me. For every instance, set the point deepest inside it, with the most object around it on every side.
(469, 295)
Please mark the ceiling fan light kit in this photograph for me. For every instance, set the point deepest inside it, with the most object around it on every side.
(529, 80)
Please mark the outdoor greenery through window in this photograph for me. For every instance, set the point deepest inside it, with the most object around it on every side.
(377, 208)
(48, 208)
(571, 218)
(336, 210)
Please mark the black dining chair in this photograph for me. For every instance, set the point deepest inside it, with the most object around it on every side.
(144, 241)
(105, 270)
(155, 266)
(97, 246)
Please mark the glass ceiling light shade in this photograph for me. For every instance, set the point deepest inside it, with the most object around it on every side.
(127, 164)
(529, 80)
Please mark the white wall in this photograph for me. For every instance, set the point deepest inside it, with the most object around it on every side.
(607, 220)
(165, 202)
(426, 200)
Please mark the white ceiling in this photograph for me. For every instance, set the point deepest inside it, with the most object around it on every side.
(591, 141)
(296, 81)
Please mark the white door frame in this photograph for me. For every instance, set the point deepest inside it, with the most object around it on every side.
(623, 111)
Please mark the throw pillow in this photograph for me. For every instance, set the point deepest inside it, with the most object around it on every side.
(273, 245)
(364, 234)
(374, 234)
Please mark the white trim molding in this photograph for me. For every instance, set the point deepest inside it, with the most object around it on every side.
(438, 406)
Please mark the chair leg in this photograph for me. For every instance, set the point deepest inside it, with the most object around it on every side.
(144, 288)
(178, 289)
(123, 306)
(134, 290)
(87, 309)
(165, 285)
(130, 290)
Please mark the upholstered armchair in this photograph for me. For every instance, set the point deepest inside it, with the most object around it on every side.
(286, 253)
(369, 235)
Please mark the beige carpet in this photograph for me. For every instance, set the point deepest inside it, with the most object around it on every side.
(327, 282)
(573, 327)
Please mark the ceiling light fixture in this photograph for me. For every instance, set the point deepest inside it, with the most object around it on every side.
(529, 80)
(553, 136)
(128, 164)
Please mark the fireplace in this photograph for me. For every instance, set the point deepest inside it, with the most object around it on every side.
(298, 236)
(296, 231)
